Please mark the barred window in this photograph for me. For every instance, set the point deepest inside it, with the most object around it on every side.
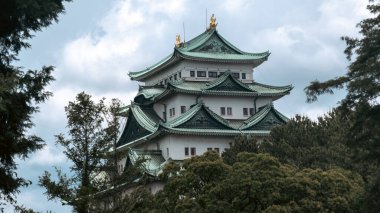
(243, 76)
(222, 110)
(212, 74)
(201, 73)
(229, 111)
(245, 111)
(236, 75)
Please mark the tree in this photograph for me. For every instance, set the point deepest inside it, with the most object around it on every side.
(255, 183)
(20, 91)
(240, 144)
(312, 144)
(362, 81)
(86, 146)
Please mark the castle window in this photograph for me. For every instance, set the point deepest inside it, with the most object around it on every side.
(175, 76)
(243, 76)
(229, 111)
(172, 112)
(186, 151)
(201, 73)
(245, 111)
(222, 110)
(170, 78)
(251, 111)
(193, 151)
(192, 73)
(179, 75)
(220, 74)
(183, 109)
(209, 149)
(236, 75)
(212, 74)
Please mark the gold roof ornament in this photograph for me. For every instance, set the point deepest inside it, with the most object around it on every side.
(213, 22)
(178, 40)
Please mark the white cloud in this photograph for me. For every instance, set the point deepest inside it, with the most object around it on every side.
(312, 112)
(122, 43)
(338, 17)
(235, 6)
(47, 156)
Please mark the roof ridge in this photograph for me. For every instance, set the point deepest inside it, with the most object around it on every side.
(217, 117)
(271, 86)
(187, 115)
(205, 35)
(221, 79)
(145, 121)
(259, 116)
(256, 117)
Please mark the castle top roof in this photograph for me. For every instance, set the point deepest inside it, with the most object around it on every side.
(209, 46)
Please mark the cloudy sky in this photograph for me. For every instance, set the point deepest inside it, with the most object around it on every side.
(96, 43)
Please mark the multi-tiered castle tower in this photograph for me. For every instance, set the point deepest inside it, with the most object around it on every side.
(198, 98)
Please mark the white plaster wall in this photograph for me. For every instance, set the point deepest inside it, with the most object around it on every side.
(262, 101)
(185, 66)
(149, 145)
(164, 74)
(176, 145)
(159, 107)
(175, 101)
(237, 103)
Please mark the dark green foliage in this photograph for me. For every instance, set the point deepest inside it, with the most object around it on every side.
(240, 144)
(20, 90)
(20, 18)
(362, 81)
(255, 183)
(312, 144)
(85, 147)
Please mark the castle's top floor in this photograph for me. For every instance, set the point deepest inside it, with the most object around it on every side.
(203, 58)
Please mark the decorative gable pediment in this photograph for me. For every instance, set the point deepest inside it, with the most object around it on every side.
(229, 84)
(132, 131)
(215, 45)
(203, 120)
(268, 122)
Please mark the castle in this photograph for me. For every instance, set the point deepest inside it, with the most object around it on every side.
(198, 98)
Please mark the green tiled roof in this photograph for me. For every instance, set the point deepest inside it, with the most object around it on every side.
(261, 115)
(143, 119)
(215, 132)
(150, 92)
(236, 88)
(153, 163)
(200, 120)
(234, 84)
(193, 111)
(208, 46)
